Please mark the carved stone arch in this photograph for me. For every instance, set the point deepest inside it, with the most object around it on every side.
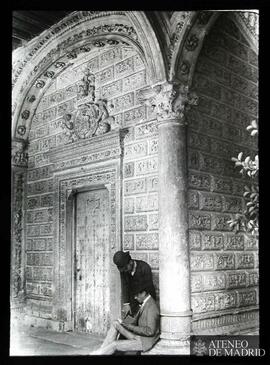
(191, 37)
(248, 23)
(150, 44)
(44, 58)
(188, 45)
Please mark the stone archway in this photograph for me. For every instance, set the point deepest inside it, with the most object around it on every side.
(54, 51)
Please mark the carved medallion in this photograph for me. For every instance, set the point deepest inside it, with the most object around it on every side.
(87, 120)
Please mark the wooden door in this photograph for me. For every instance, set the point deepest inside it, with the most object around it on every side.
(92, 262)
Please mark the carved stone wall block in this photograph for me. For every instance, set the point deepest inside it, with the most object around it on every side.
(251, 242)
(128, 242)
(153, 222)
(253, 278)
(123, 102)
(247, 298)
(152, 183)
(135, 186)
(134, 115)
(146, 130)
(193, 199)
(201, 261)
(146, 166)
(124, 67)
(194, 240)
(225, 261)
(147, 203)
(199, 221)
(134, 81)
(109, 56)
(236, 279)
(244, 261)
(135, 223)
(154, 263)
(129, 205)
(196, 283)
(214, 281)
(199, 181)
(211, 202)
(212, 241)
(147, 241)
(220, 222)
(129, 169)
(234, 242)
(135, 150)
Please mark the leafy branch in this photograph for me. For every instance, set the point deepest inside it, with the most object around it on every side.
(249, 220)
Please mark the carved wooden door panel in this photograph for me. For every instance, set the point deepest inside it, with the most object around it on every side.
(92, 261)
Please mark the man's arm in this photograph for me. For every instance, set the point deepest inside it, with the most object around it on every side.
(149, 329)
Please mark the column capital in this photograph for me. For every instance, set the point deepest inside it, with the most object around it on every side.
(168, 100)
(19, 155)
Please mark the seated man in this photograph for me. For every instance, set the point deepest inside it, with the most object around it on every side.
(142, 331)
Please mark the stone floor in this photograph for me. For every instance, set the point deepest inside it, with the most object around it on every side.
(37, 341)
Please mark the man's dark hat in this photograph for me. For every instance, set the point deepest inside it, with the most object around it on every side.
(121, 258)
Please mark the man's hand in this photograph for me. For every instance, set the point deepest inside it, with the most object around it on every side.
(126, 309)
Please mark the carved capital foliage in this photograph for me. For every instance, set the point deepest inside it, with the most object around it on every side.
(168, 101)
(19, 155)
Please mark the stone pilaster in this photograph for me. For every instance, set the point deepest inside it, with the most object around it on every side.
(19, 165)
(169, 102)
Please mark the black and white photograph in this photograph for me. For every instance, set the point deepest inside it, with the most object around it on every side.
(134, 183)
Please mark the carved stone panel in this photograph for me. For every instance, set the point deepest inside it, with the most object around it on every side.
(201, 261)
(212, 241)
(135, 223)
(225, 261)
(236, 279)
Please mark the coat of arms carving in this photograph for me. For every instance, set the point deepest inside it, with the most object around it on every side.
(88, 120)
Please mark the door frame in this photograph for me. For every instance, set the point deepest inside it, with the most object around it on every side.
(71, 227)
(67, 184)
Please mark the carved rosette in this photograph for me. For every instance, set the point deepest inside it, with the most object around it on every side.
(169, 101)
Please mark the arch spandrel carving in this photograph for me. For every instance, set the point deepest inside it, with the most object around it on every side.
(44, 58)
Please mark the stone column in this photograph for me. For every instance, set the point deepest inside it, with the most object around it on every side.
(169, 102)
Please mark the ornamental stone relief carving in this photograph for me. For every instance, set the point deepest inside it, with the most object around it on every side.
(121, 29)
(19, 155)
(88, 120)
(184, 16)
(168, 100)
(86, 87)
(17, 232)
(251, 20)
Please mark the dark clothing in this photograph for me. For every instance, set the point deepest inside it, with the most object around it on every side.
(142, 276)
